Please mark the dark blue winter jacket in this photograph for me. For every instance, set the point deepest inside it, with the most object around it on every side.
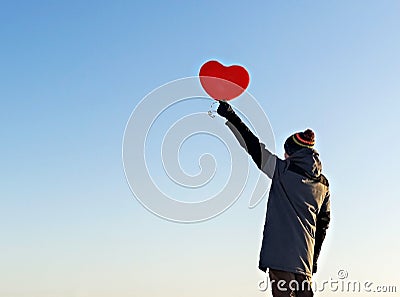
(298, 208)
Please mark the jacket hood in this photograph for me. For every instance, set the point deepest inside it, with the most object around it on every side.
(308, 160)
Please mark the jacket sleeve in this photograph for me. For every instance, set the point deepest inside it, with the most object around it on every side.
(262, 157)
(323, 220)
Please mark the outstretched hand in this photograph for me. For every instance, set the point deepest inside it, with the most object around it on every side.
(224, 109)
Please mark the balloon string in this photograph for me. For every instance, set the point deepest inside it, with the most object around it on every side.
(212, 111)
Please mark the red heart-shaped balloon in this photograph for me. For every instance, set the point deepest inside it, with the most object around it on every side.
(223, 82)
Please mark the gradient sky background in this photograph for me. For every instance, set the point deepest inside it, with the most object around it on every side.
(71, 73)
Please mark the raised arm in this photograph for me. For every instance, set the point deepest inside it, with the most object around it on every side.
(263, 158)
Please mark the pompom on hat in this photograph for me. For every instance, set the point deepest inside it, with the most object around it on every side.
(299, 140)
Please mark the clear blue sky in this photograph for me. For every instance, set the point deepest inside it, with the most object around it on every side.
(71, 73)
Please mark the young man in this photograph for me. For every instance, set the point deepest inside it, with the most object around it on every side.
(298, 209)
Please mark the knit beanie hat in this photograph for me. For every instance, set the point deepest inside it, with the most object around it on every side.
(299, 140)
